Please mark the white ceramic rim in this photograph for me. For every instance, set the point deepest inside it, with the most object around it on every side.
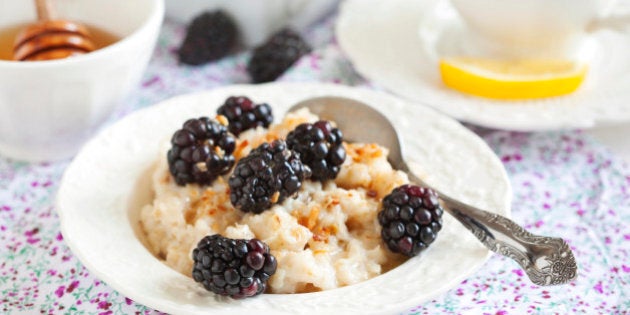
(155, 17)
(96, 225)
(602, 100)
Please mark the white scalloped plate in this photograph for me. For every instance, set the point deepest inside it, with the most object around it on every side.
(395, 43)
(106, 184)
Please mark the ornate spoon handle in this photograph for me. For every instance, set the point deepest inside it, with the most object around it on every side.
(546, 260)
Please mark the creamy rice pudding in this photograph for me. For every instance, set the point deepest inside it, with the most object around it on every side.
(326, 236)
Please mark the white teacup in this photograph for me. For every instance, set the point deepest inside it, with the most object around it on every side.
(49, 108)
(530, 28)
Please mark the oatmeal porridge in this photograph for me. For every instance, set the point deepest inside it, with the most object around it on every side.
(325, 236)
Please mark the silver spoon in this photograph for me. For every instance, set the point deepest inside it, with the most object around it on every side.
(546, 260)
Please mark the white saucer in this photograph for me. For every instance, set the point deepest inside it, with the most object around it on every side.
(397, 48)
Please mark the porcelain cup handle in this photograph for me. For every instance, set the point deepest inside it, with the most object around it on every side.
(608, 20)
(617, 23)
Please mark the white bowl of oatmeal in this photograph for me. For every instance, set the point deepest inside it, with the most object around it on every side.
(325, 237)
(101, 210)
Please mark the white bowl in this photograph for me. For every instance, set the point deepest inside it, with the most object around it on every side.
(257, 19)
(107, 184)
(49, 108)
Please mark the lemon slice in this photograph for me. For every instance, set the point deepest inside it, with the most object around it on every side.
(513, 79)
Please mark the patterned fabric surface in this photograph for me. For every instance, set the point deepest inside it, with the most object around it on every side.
(564, 183)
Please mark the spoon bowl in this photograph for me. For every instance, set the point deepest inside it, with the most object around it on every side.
(546, 260)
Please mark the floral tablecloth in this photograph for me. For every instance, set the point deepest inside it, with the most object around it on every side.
(564, 183)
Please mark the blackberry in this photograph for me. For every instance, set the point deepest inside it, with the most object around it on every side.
(243, 114)
(210, 36)
(236, 268)
(274, 57)
(410, 219)
(320, 147)
(201, 151)
(268, 175)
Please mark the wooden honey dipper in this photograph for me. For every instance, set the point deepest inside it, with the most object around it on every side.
(51, 38)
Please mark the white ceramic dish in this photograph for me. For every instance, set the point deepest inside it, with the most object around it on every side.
(49, 108)
(258, 19)
(406, 37)
(107, 183)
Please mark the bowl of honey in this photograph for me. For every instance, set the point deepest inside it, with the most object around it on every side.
(48, 108)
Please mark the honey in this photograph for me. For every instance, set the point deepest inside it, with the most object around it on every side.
(100, 37)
